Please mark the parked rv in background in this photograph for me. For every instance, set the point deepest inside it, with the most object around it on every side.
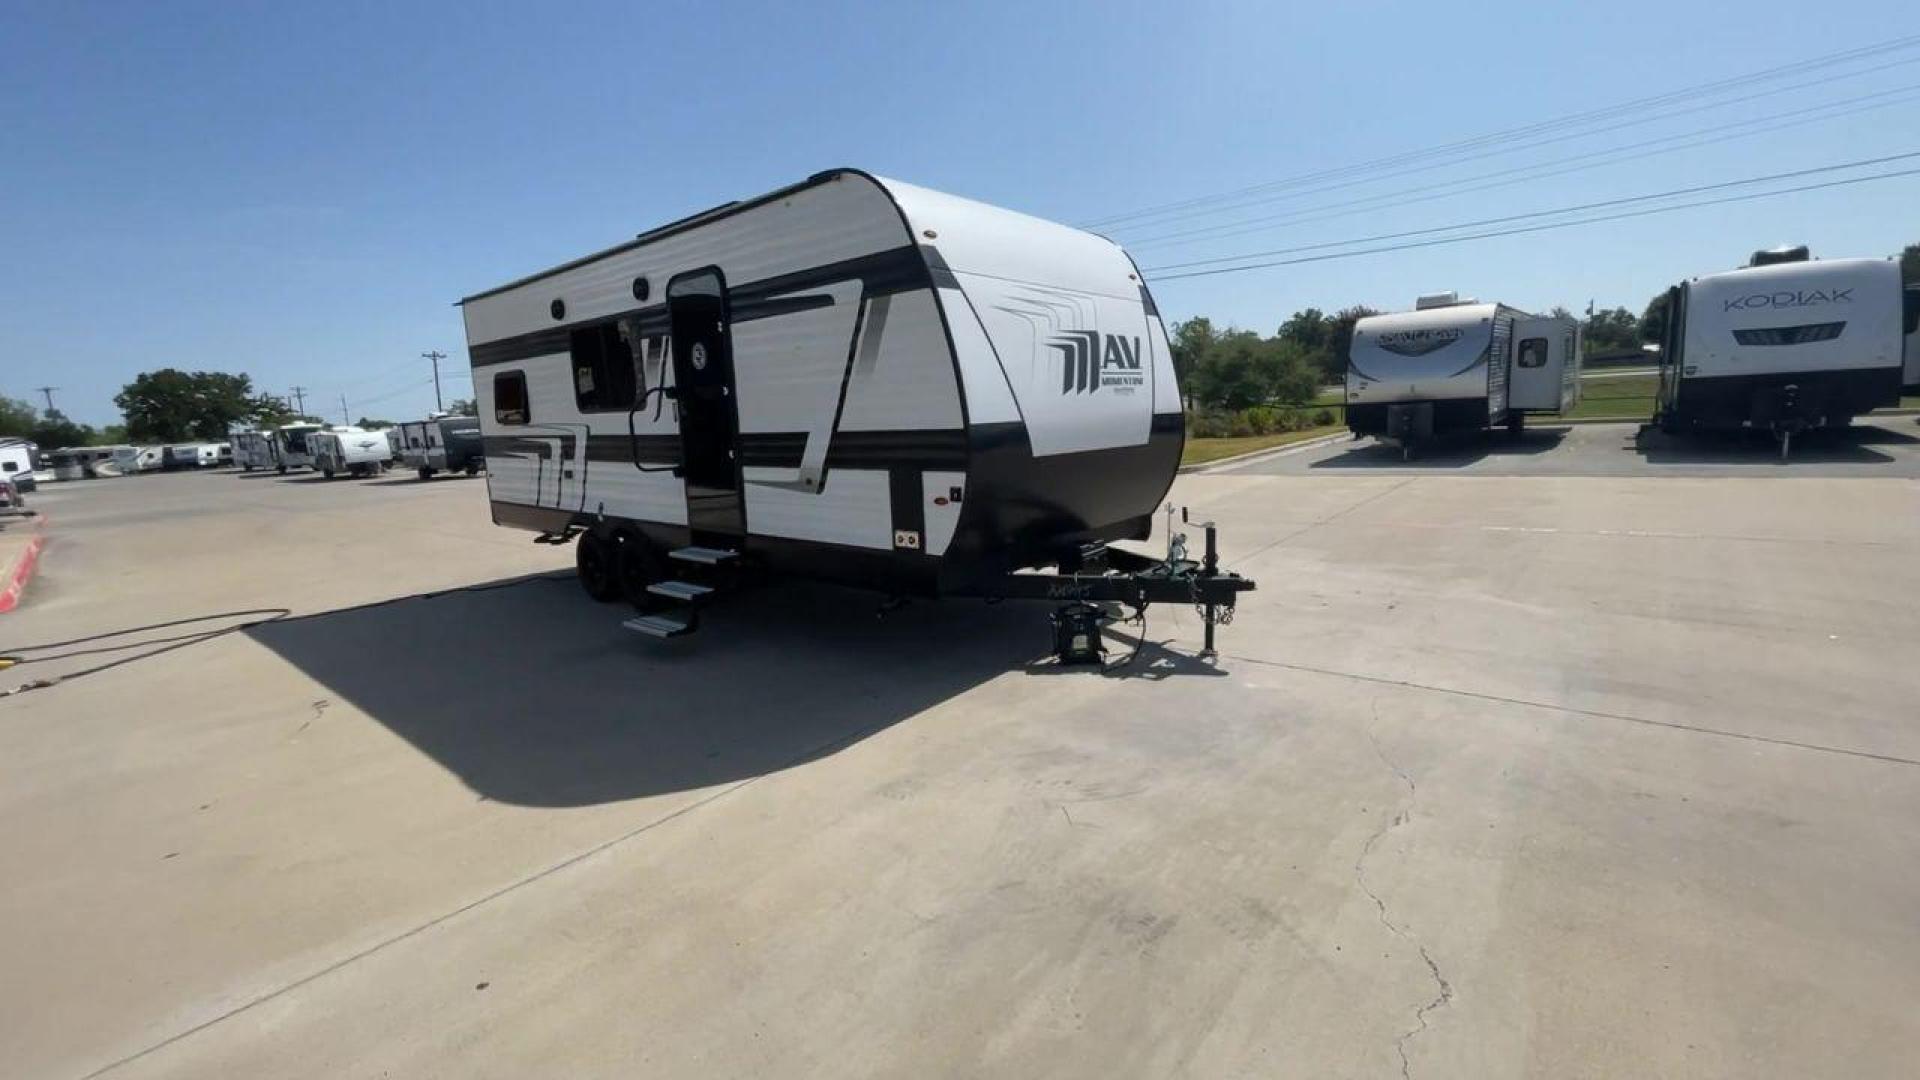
(1458, 365)
(253, 450)
(130, 460)
(16, 462)
(1785, 344)
(442, 444)
(349, 450)
(290, 450)
(82, 462)
(196, 455)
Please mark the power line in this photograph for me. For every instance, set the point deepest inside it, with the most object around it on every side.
(1527, 130)
(48, 390)
(1581, 207)
(1391, 199)
(300, 392)
(1363, 181)
(1542, 228)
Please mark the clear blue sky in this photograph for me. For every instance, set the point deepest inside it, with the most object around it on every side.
(300, 192)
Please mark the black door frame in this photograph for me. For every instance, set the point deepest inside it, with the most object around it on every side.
(713, 513)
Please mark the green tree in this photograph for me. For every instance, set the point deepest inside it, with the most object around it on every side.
(1653, 323)
(1191, 340)
(16, 417)
(369, 424)
(1233, 373)
(1294, 372)
(170, 405)
(267, 411)
(1613, 331)
(54, 430)
(113, 434)
(463, 407)
(1910, 264)
(1340, 336)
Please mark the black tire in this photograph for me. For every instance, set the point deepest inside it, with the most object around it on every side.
(637, 565)
(593, 561)
(283, 470)
(473, 470)
(328, 473)
(426, 473)
(1516, 423)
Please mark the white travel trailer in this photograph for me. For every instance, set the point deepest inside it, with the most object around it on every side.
(290, 450)
(1785, 344)
(16, 462)
(442, 444)
(193, 455)
(137, 459)
(1453, 364)
(850, 378)
(82, 462)
(1910, 377)
(354, 451)
(253, 450)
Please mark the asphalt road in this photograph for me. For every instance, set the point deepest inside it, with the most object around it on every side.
(1497, 776)
(1882, 447)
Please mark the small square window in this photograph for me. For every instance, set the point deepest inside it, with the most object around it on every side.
(510, 397)
(1533, 352)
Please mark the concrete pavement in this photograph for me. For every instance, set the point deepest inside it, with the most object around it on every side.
(1499, 776)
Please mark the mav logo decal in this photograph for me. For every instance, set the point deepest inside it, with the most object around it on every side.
(1090, 360)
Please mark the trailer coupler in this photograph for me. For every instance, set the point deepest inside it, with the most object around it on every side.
(1108, 579)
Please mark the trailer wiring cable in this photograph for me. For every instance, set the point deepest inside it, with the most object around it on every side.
(22, 655)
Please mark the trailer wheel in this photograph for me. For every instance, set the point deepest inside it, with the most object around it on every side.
(593, 560)
(473, 470)
(637, 565)
(1516, 423)
(283, 470)
(426, 473)
(328, 473)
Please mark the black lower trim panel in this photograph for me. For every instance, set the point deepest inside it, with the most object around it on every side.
(1459, 414)
(1818, 397)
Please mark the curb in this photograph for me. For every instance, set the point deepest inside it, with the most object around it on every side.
(1257, 455)
(22, 572)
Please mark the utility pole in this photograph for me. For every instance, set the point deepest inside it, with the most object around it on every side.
(345, 420)
(300, 393)
(48, 390)
(436, 356)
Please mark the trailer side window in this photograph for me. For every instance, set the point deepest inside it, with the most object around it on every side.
(1533, 352)
(510, 397)
(603, 379)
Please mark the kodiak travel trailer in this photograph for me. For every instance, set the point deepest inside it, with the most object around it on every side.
(1458, 365)
(852, 379)
(442, 444)
(1784, 344)
(353, 451)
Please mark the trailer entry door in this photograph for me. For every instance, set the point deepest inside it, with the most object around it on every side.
(709, 411)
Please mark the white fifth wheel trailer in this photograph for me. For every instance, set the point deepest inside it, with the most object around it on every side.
(1453, 365)
(850, 378)
(353, 451)
(1784, 344)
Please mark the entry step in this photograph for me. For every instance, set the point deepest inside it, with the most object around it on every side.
(684, 591)
(704, 555)
(660, 626)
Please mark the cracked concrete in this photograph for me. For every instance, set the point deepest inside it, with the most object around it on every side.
(1635, 794)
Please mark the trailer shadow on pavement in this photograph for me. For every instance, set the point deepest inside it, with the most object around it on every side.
(1453, 451)
(534, 695)
(1850, 446)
